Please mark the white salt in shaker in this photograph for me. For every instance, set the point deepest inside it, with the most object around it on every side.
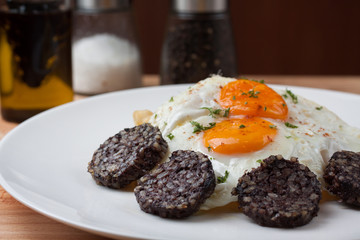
(105, 52)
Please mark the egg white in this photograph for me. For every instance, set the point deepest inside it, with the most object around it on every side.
(318, 135)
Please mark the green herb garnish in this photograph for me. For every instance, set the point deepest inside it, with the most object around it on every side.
(216, 112)
(253, 94)
(209, 148)
(319, 108)
(242, 126)
(226, 112)
(288, 137)
(285, 96)
(259, 161)
(170, 136)
(199, 127)
(222, 179)
(292, 95)
(272, 126)
(234, 97)
(265, 108)
(171, 99)
(259, 81)
(212, 111)
(289, 125)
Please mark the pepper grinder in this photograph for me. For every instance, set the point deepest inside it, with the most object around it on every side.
(198, 42)
(106, 56)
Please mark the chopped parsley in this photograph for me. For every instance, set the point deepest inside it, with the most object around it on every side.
(245, 103)
(292, 95)
(170, 136)
(242, 126)
(253, 94)
(289, 125)
(199, 127)
(265, 108)
(259, 81)
(171, 99)
(155, 116)
(212, 112)
(273, 126)
(254, 80)
(319, 108)
(216, 112)
(234, 97)
(284, 105)
(209, 148)
(222, 179)
(288, 137)
(259, 161)
(226, 112)
(285, 96)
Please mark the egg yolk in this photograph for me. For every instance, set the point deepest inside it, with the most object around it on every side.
(239, 135)
(250, 98)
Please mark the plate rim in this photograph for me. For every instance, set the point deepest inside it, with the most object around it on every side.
(85, 227)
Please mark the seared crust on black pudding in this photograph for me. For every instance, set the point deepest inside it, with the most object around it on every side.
(177, 188)
(127, 156)
(342, 176)
(279, 193)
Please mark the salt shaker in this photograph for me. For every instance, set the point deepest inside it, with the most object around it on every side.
(198, 42)
(105, 52)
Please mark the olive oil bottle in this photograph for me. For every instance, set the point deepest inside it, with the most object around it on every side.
(35, 57)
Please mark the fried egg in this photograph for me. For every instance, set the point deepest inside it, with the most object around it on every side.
(239, 122)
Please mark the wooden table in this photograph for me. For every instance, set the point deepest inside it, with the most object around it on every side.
(20, 222)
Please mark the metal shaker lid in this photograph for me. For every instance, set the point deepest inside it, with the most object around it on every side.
(101, 5)
(200, 6)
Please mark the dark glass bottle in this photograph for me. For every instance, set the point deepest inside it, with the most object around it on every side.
(198, 42)
(35, 56)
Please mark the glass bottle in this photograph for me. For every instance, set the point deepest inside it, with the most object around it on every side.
(106, 55)
(35, 56)
(198, 42)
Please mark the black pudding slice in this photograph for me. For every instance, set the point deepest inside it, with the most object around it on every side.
(279, 193)
(342, 176)
(127, 156)
(177, 188)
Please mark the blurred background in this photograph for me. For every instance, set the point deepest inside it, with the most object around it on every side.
(301, 37)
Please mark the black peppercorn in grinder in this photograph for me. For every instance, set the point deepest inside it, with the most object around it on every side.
(198, 42)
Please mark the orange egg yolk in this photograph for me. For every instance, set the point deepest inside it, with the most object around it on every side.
(239, 135)
(250, 98)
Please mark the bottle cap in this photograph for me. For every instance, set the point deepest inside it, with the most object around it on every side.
(200, 6)
(101, 5)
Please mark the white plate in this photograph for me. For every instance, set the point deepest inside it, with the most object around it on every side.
(43, 164)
